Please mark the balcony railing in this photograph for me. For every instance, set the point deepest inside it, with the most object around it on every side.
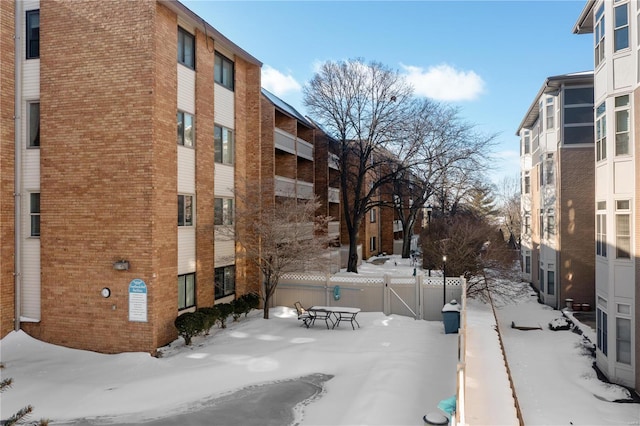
(397, 226)
(305, 149)
(334, 195)
(333, 161)
(285, 141)
(287, 187)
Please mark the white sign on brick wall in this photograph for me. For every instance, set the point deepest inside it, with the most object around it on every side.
(137, 301)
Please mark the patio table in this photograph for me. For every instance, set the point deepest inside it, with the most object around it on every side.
(339, 314)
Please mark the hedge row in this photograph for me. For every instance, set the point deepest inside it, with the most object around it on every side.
(192, 324)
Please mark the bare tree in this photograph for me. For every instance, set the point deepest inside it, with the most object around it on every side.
(509, 199)
(290, 236)
(448, 161)
(362, 106)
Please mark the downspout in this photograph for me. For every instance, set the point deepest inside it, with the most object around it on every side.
(17, 188)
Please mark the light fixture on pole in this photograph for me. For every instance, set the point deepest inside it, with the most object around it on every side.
(444, 280)
(429, 210)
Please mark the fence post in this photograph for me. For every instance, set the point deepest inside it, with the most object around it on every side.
(327, 290)
(418, 299)
(386, 295)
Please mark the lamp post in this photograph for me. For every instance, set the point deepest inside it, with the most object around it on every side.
(429, 210)
(444, 280)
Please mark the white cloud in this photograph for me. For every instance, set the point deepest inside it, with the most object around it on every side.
(445, 83)
(278, 83)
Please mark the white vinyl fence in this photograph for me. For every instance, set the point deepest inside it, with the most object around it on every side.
(418, 297)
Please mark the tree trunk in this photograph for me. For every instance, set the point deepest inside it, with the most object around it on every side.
(352, 262)
(266, 310)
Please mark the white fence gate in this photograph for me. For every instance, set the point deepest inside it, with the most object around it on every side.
(418, 297)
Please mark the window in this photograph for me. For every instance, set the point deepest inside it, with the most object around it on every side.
(527, 183)
(598, 32)
(527, 143)
(622, 125)
(542, 235)
(223, 211)
(601, 132)
(185, 129)
(223, 145)
(223, 71)
(224, 281)
(621, 27)
(34, 211)
(623, 340)
(540, 174)
(372, 215)
(549, 169)
(186, 49)
(527, 223)
(185, 210)
(623, 229)
(551, 224)
(372, 243)
(34, 124)
(186, 291)
(527, 264)
(549, 113)
(33, 34)
(601, 229)
(601, 330)
(551, 283)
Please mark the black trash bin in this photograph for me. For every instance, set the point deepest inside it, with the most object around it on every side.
(451, 317)
(435, 419)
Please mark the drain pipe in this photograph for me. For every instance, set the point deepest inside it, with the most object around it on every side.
(17, 183)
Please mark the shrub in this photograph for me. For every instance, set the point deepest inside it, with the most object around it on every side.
(210, 316)
(253, 301)
(240, 306)
(224, 309)
(189, 325)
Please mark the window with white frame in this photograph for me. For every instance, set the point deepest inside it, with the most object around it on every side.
(224, 281)
(223, 71)
(372, 215)
(223, 145)
(623, 229)
(601, 330)
(372, 243)
(186, 129)
(551, 223)
(33, 136)
(621, 27)
(622, 125)
(223, 211)
(601, 229)
(549, 113)
(186, 48)
(623, 340)
(527, 182)
(186, 291)
(549, 170)
(598, 32)
(527, 223)
(185, 210)
(578, 115)
(601, 132)
(527, 263)
(551, 282)
(33, 34)
(34, 212)
(541, 222)
(526, 148)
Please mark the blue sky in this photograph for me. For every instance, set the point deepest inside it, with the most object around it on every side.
(489, 58)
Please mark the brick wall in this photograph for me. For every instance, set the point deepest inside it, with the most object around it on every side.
(575, 225)
(108, 166)
(7, 155)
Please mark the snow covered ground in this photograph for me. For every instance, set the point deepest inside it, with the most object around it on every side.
(391, 371)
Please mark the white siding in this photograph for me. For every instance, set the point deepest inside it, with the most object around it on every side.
(186, 249)
(186, 89)
(224, 180)
(224, 111)
(623, 72)
(186, 170)
(30, 268)
(623, 183)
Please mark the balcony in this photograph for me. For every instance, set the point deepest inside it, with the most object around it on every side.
(287, 187)
(334, 195)
(333, 228)
(333, 161)
(286, 142)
